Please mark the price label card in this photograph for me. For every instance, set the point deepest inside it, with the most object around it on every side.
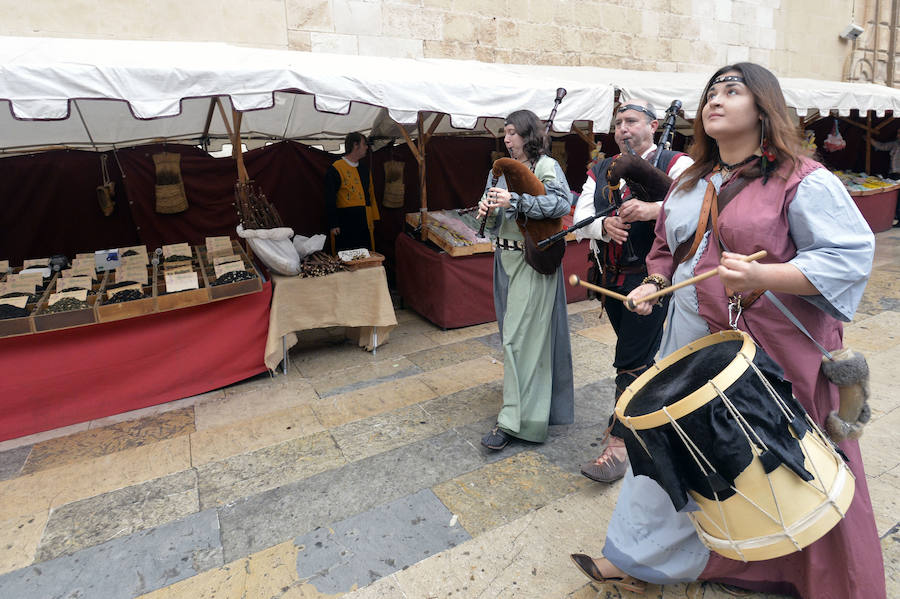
(218, 245)
(181, 281)
(227, 267)
(35, 278)
(224, 259)
(82, 282)
(132, 273)
(84, 266)
(43, 262)
(24, 285)
(136, 260)
(176, 249)
(18, 302)
(80, 295)
(4, 265)
(175, 270)
(85, 256)
(112, 292)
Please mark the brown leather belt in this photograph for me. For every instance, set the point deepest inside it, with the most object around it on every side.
(511, 244)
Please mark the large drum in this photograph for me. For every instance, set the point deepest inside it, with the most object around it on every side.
(716, 425)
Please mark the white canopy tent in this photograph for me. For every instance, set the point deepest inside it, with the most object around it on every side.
(101, 93)
(804, 96)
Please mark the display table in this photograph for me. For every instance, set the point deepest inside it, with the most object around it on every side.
(458, 292)
(356, 299)
(63, 377)
(877, 207)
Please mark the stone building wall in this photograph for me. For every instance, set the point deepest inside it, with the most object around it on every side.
(796, 38)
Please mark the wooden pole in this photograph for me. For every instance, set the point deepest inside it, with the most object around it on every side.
(423, 191)
(236, 150)
(869, 141)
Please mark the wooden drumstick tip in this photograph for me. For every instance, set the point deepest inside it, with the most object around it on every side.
(629, 303)
(574, 280)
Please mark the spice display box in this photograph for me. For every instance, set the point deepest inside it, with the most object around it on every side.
(119, 310)
(226, 290)
(51, 321)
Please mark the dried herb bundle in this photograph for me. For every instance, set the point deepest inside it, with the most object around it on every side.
(254, 210)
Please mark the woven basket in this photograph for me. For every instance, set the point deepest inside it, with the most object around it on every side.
(170, 195)
(394, 189)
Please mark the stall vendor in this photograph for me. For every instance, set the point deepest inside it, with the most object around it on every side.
(893, 147)
(350, 206)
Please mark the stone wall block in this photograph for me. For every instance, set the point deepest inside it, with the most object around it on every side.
(457, 28)
(649, 24)
(455, 50)
(737, 54)
(299, 40)
(767, 39)
(722, 10)
(356, 17)
(333, 43)
(390, 46)
(412, 22)
(309, 15)
(728, 33)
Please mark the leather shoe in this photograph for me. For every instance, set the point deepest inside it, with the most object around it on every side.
(496, 439)
(611, 464)
(589, 568)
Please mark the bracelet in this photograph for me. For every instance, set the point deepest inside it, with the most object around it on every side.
(657, 280)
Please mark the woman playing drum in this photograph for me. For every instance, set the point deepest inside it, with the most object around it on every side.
(748, 190)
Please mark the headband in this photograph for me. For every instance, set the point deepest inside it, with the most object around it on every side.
(639, 108)
(725, 78)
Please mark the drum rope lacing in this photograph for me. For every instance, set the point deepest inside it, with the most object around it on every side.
(706, 467)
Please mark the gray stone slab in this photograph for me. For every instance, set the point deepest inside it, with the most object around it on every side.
(11, 461)
(96, 520)
(399, 374)
(272, 517)
(253, 472)
(124, 568)
(493, 341)
(359, 550)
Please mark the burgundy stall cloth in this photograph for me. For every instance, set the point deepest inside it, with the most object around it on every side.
(74, 375)
(48, 201)
(458, 292)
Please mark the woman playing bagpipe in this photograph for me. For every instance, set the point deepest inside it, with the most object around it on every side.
(531, 307)
(750, 190)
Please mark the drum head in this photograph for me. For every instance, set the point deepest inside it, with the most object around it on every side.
(683, 377)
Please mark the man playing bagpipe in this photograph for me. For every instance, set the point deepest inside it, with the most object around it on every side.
(619, 244)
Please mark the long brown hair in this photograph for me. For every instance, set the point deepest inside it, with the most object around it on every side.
(783, 136)
(530, 128)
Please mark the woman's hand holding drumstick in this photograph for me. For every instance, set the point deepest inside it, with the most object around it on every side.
(639, 299)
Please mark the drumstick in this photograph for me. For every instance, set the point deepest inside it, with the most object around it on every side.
(691, 281)
(574, 280)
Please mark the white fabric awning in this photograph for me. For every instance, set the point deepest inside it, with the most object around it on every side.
(129, 92)
(100, 93)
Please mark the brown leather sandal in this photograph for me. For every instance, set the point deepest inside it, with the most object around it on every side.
(587, 566)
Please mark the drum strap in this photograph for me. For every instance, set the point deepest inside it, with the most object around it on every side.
(747, 299)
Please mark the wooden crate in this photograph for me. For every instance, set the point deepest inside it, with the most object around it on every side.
(122, 310)
(10, 327)
(51, 321)
(224, 291)
(179, 299)
(374, 259)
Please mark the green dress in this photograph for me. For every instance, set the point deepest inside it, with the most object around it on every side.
(531, 314)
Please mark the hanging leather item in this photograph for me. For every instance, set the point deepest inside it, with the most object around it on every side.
(107, 190)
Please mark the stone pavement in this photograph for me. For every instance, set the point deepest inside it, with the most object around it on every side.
(362, 477)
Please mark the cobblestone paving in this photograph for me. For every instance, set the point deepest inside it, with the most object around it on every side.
(362, 477)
